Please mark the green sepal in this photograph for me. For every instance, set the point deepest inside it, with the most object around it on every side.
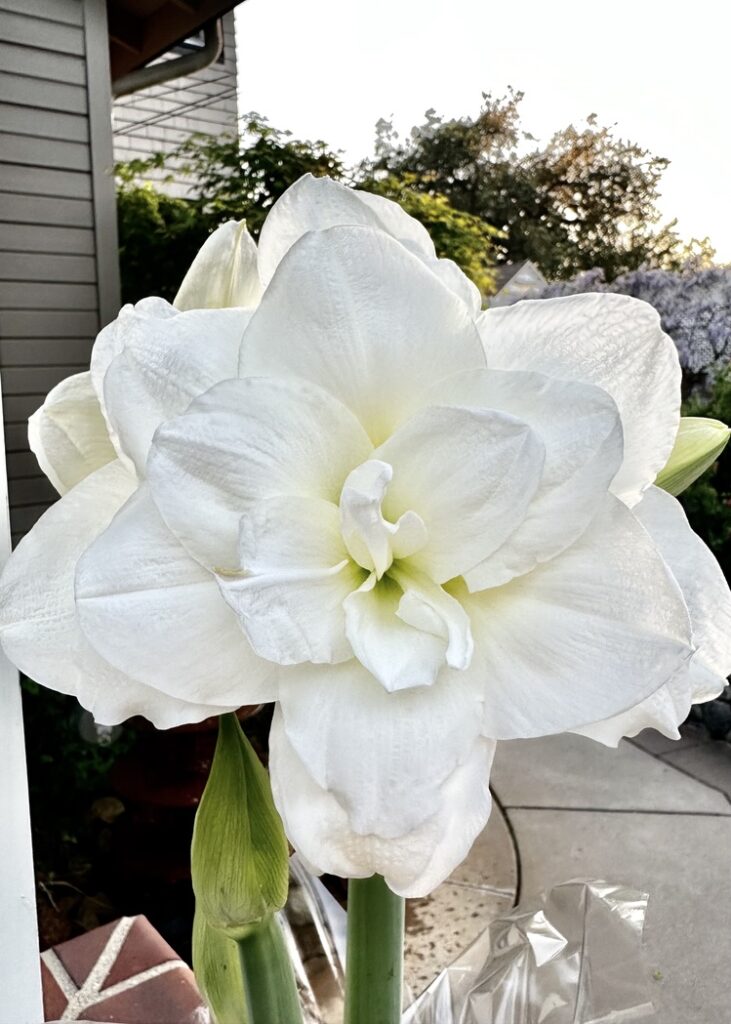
(698, 444)
(239, 857)
(217, 969)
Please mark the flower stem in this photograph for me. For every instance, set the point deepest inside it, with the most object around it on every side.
(374, 970)
(269, 982)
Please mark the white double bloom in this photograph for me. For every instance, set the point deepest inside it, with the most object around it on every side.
(418, 527)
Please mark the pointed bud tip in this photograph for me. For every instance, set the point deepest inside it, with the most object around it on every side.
(698, 445)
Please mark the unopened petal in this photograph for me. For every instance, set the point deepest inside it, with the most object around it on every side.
(699, 443)
(224, 272)
(68, 434)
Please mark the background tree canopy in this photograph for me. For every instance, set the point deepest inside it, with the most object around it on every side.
(483, 187)
(586, 199)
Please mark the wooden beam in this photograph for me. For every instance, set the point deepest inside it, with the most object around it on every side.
(138, 39)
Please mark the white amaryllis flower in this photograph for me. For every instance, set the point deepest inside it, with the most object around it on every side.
(419, 528)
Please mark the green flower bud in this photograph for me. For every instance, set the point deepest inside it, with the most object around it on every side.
(699, 443)
(239, 857)
(217, 969)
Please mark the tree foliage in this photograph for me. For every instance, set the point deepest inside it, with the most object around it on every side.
(708, 501)
(158, 239)
(242, 175)
(586, 199)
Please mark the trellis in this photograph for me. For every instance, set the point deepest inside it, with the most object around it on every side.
(20, 972)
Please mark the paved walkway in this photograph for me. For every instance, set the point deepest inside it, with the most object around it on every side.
(654, 815)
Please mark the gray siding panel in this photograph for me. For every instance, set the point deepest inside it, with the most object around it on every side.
(24, 295)
(40, 93)
(49, 257)
(23, 518)
(23, 149)
(47, 323)
(16, 438)
(28, 323)
(18, 408)
(41, 352)
(59, 68)
(44, 181)
(22, 379)
(68, 12)
(41, 34)
(21, 465)
(47, 239)
(34, 266)
(72, 213)
(54, 124)
(29, 491)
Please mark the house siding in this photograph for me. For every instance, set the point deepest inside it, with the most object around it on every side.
(158, 119)
(58, 253)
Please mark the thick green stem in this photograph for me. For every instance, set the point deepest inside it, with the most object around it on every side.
(375, 963)
(271, 989)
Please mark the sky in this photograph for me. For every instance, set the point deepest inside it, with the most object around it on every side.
(331, 68)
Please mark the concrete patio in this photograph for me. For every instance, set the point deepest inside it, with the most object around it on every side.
(654, 815)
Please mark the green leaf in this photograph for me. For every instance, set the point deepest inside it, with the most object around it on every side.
(239, 857)
(218, 972)
(699, 443)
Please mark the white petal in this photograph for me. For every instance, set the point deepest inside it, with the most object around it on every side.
(224, 272)
(663, 710)
(295, 577)
(450, 274)
(428, 607)
(68, 434)
(398, 654)
(242, 441)
(384, 755)
(164, 364)
(708, 599)
(155, 614)
(110, 340)
(282, 534)
(413, 863)
(38, 624)
(580, 427)
(314, 204)
(295, 617)
(585, 636)
(469, 474)
(699, 577)
(372, 541)
(353, 311)
(610, 340)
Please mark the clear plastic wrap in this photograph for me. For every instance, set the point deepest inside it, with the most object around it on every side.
(570, 956)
